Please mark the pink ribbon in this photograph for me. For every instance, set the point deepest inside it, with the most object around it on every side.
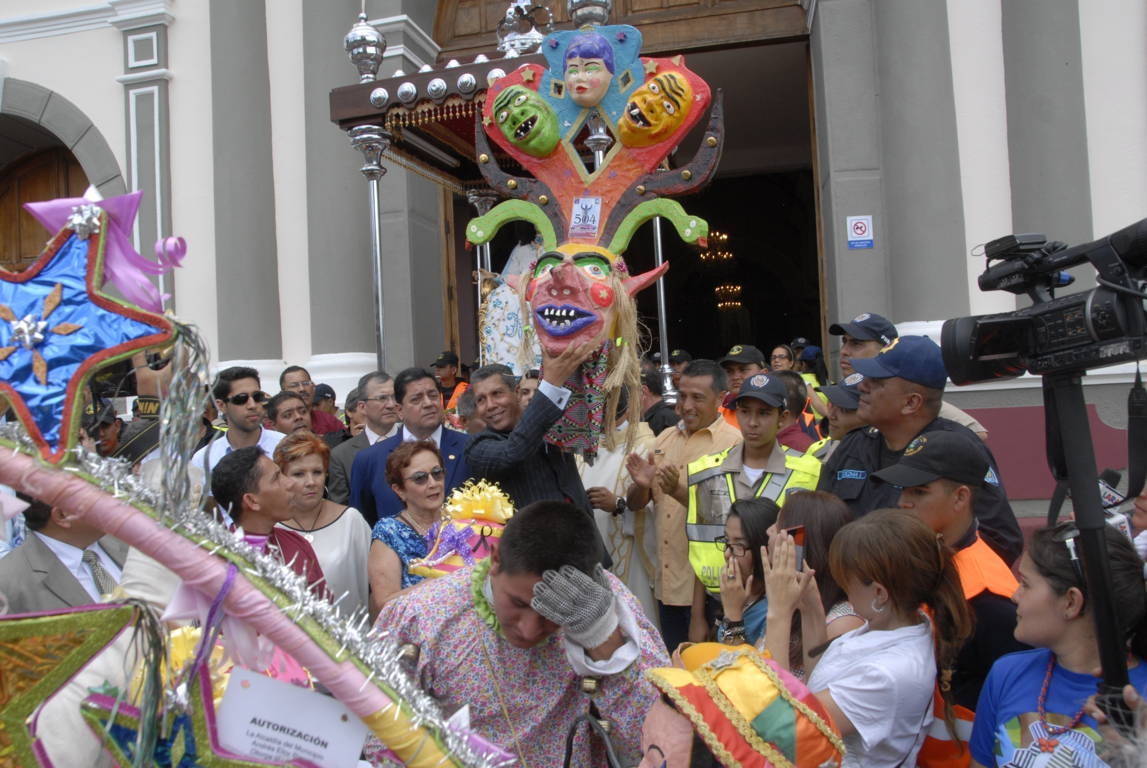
(123, 266)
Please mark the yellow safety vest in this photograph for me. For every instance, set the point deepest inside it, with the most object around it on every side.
(819, 449)
(702, 527)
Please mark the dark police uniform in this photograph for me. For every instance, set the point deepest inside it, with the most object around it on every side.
(847, 473)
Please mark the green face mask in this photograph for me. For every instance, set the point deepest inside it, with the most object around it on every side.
(526, 120)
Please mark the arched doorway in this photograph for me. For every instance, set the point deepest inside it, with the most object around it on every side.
(39, 174)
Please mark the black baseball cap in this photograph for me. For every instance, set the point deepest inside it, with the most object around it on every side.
(867, 326)
(770, 390)
(844, 393)
(941, 453)
(323, 391)
(743, 354)
(444, 359)
(680, 356)
(800, 342)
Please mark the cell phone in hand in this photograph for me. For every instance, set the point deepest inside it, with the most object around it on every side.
(797, 532)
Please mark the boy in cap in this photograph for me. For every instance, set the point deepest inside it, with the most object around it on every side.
(900, 399)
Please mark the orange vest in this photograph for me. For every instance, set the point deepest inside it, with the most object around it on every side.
(458, 390)
(730, 415)
(981, 570)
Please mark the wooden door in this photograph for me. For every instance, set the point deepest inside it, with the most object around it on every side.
(44, 175)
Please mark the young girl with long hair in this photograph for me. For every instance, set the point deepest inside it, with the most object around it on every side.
(1033, 706)
(876, 681)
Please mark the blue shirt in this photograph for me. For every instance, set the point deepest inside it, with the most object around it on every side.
(406, 543)
(1007, 730)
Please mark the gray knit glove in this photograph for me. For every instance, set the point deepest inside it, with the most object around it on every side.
(581, 604)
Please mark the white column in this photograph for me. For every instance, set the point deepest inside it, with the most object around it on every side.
(976, 46)
(289, 148)
(1114, 46)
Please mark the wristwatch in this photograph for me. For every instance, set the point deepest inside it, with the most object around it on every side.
(621, 506)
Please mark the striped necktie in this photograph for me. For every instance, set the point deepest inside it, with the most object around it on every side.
(105, 584)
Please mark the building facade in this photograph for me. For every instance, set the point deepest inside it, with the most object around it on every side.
(948, 122)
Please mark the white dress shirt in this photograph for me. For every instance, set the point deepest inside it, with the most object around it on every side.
(72, 559)
(268, 439)
(436, 436)
(373, 437)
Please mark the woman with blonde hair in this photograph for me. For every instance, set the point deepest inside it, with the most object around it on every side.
(338, 534)
(876, 681)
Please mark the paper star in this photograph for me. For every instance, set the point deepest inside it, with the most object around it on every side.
(650, 66)
(186, 740)
(528, 76)
(39, 654)
(44, 364)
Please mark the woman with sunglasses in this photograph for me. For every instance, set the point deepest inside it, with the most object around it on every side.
(742, 579)
(414, 471)
(1032, 706)
(337, 533)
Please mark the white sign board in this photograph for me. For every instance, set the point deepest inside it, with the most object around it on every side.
(585, 218)
(859, 229)
(275, 721)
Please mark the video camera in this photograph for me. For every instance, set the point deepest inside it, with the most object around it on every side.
(1089, 329)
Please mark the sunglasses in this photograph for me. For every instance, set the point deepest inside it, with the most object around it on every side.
(1067, 532)
(242, 397)
(421, 478)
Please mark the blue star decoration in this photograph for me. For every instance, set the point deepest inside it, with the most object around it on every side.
(57, 328)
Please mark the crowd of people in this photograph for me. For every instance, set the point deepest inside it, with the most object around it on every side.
(856, 531)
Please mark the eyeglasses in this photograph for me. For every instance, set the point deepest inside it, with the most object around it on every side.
(242, 397)
(299, 384)
(778, 357)
(1067, 532)
(420, 477)
(380, 398)
(722, 543)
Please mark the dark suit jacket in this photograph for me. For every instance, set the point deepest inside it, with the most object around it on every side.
(371, 495)
(342, 459)
(34, 580)
(527, 467)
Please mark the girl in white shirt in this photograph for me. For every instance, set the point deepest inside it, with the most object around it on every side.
(876, 681)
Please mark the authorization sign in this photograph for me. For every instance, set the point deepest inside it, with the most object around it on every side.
(273, 720)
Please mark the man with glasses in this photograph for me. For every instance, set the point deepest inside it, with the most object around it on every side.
(420, 407)
(379, 413)
(239, 397)
(295, 378)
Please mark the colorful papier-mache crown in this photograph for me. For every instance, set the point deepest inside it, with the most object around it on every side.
(600, 97)
(475, 515)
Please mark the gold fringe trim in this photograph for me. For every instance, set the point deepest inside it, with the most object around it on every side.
(799, 705)
(686, 708)
(738, 720)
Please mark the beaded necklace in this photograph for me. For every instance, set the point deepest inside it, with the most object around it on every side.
(1054, 730)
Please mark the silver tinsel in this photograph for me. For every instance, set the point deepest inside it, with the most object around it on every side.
(84, 221)
(373, 651)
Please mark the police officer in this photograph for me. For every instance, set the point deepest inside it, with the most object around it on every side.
(740, 362)
(843, 400)
(900, 398)
(757, 467)
(866, 335)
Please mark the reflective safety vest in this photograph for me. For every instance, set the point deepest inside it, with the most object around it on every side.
(821, 449)
(981, 570)
(712, 492)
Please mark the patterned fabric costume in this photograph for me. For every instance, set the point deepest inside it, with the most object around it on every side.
(463, 661)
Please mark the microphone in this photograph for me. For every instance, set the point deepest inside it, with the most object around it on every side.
(1108, 481)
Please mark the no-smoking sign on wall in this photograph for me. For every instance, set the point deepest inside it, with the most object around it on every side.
(859, 230)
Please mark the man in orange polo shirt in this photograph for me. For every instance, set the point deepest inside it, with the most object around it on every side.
(939, 474)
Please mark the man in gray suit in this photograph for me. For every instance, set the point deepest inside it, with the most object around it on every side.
(380, 415)
(63, 563)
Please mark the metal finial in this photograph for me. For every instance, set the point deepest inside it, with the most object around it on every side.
(365, 45)
(592, 12)
(518, 31)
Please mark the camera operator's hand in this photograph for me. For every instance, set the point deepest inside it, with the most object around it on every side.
(582, 605)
